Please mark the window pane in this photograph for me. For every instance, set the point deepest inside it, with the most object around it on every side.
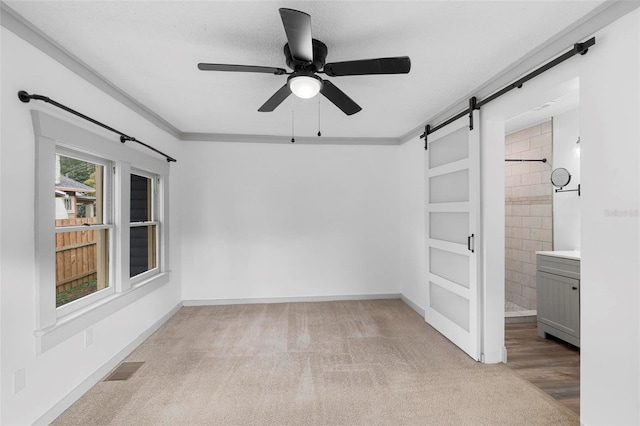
(79, 191)
(143, 249)
(82, 259)
(141, 210)
(142, 238)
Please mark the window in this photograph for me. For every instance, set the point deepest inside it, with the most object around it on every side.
(82, 241)
(143, 224)
(68, 205)
(101, 227)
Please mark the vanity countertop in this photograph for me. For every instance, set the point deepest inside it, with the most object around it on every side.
(566, 254)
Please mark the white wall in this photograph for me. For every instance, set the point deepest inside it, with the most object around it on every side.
(57, 372)
(610, 244)
(609, 78)
(566, 205)
(414, 290)
(269, 221)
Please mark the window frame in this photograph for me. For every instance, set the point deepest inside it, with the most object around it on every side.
(155, 184)
(67, 204)
(52, 135)
(107, 223)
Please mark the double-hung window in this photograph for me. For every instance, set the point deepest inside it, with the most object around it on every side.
(83, 234)
(143, 233)
(101, 223)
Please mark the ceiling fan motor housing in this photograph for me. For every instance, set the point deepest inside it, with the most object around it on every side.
(319, 56)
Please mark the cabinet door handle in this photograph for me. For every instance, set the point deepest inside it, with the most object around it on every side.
(574, 288)
(469, 238)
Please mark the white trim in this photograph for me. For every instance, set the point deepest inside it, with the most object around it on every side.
(306, 140)
(122, 199)
(76, 228)
(449, 246)
(450, 286)
(44, 241)
(452, 207)
(93, 379)
(444, 169)
(79, 320)
(141, 224)
(248, 301)
(412, 305)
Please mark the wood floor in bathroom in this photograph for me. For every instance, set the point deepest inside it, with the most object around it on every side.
(550, 364)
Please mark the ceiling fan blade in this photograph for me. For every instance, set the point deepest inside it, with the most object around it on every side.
(241, 68)
(275, 100)
(297, 25)
(339, 98)
(397, 65)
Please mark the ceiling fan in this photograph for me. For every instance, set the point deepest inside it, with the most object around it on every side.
(306, 57)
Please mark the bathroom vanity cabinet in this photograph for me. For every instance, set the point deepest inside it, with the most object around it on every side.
(558, 295)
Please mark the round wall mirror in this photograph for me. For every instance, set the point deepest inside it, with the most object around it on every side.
(560, 177)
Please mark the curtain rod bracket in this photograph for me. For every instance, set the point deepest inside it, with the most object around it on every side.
(581, 48)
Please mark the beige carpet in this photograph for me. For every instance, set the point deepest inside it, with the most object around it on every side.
(330, 363)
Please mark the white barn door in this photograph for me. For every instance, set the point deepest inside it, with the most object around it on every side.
(452, 223)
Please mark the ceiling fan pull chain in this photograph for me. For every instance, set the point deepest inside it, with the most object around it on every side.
(293, 140)
(319, 133)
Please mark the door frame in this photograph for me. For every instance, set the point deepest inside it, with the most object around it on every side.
(548, 86)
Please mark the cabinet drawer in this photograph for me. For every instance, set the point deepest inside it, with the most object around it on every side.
(559, 266)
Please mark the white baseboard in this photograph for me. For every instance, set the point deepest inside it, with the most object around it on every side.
(412, 305)
(213, 302)
(92, 380)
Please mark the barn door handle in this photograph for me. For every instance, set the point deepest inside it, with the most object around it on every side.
(469, 238)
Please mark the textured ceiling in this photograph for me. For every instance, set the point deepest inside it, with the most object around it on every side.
(150, 49)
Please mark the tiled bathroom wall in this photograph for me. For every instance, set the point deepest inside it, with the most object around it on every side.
(528, 210)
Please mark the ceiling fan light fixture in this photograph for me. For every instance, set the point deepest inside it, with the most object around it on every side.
(305, 86)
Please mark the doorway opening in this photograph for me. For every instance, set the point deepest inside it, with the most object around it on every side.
(528, 213)
(542, 223)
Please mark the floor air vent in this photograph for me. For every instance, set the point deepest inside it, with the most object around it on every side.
(124, 371)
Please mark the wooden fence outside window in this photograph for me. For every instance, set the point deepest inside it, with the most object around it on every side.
(76, 254)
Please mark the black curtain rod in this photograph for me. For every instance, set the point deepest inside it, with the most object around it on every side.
(578, 48)
(544, 160)
(26, 97)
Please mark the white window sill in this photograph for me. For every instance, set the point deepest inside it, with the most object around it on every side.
(75, 322)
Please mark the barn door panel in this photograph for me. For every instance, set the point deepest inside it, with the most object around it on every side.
(452, 223)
